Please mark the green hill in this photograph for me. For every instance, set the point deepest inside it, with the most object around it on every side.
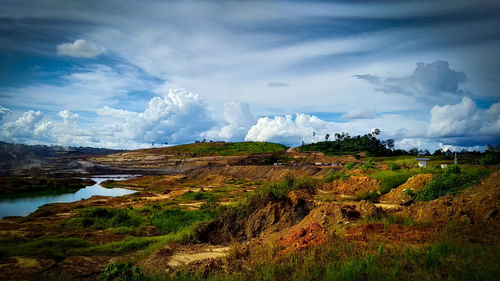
(222, 148)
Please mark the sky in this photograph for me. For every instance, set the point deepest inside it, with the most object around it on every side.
(125, 74)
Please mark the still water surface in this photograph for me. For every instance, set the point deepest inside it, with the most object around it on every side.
(25, 205)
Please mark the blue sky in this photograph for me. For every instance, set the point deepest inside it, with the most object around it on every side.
(122, 74)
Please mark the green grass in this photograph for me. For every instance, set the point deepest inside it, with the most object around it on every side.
(369, 195)
(56, 248)
(226, 149)
(368, 165)
(196, 196)
(103, 218)
(335, 176)
(280, 190)
(452, 181)
(129, 244)
(392, 179)
(442, 260)
(353, 269)
(350, 165)
(175, 220)
(121, 271)
(394, 166)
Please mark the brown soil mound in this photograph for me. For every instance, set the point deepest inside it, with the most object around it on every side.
(252, 173)
(398, 195)
(475, 205)
(305, 237)
(258, 220)
(328, 214)
(391, 232)
(355, 185)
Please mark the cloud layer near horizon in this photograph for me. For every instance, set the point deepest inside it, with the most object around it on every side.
(183, 117)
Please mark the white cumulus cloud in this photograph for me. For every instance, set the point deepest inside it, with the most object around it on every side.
(238, 119)
(22, 127)
(464, 121)
(30, 128)
(178, 117)
(80, 48)
(285, 129)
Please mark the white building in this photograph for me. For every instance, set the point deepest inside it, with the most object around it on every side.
(422, 162)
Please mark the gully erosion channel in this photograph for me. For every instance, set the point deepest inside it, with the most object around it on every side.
(23, 206)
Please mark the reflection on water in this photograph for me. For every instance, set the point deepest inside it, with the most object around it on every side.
(25, 206)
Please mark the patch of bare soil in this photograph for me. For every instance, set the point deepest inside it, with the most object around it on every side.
(19, 268)
(303, 238)
(172, 256)
(82, 268)
(398, 195)
(353, 186)
(478, 205)
(393, 233)
(216, 175)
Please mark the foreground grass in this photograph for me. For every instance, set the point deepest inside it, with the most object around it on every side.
(341, 260)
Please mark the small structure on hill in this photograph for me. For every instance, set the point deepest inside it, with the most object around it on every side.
(422, 162)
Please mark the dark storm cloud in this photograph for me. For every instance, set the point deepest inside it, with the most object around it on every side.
(427, 82)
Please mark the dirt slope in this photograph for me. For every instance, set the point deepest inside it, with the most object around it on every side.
(398, 195)
(474, 206)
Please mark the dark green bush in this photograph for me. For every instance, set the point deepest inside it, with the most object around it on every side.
(394, 166)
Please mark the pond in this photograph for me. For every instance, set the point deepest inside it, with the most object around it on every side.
(26, 205)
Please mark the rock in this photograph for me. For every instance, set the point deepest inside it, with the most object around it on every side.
(367, 209)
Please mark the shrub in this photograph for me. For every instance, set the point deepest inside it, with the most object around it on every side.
(102, 218)
(394, 166)
(275, 192)
(175, 220)
(122, 271)
(368, 165)
(335, 176)
(349, 165)
(196, 196)
(369, 195)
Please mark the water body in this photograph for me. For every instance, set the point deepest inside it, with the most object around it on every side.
(26, 205)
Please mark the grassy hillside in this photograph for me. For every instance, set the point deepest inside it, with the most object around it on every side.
(223, 149)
